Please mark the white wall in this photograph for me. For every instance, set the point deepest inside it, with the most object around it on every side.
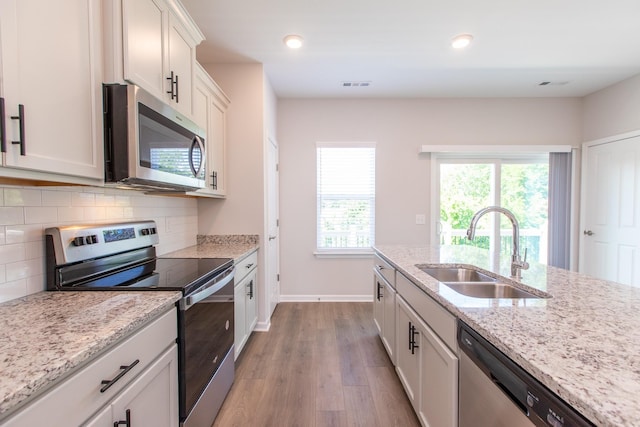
(26, 211)
(398, 127)
(242, 210)
(612, 111)
(250, 117)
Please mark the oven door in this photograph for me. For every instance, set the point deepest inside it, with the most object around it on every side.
(205, 324)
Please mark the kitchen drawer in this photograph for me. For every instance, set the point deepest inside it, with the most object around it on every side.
(440, 320)
(245, 265)
(385, 269)
(78, 397)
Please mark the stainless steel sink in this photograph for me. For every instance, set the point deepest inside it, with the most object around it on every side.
(447, 274)
(489, 290)
(473, 283)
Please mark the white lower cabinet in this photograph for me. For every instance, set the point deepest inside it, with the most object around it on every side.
(149, 400)
(245, 301)
(427, 368)
(139, 375)
(384, 309)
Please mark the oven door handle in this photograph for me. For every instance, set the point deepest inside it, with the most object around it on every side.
(210, 288)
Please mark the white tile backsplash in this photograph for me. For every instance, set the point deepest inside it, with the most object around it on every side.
(11, 215)
(26, 211)
(22, 197)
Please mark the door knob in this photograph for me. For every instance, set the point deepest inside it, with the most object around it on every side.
(587, 233)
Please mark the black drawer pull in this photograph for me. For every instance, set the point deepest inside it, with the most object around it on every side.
(108, 383)
(21, 141)
(127, 420)
(3, 128)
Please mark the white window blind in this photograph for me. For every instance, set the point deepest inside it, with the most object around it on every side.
(346, 196)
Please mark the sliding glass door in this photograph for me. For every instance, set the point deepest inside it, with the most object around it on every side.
(465, 185)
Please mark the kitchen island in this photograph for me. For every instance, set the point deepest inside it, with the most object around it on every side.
(582, 343)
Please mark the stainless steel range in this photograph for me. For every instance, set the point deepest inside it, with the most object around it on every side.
(122, 256)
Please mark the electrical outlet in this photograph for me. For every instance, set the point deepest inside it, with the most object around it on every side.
(421, 219)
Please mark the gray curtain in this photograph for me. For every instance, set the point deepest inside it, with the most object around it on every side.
(559, 209)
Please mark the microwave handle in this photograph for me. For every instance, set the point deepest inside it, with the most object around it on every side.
(196, 141)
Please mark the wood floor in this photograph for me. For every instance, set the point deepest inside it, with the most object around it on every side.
(321, 364)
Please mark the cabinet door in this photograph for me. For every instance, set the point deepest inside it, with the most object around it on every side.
(389, 329)
(144, 43)
(378, 303)
(239, 318)
(152, 399)
(52, 78)
(251, 293)
(217, 143)
(439, 382)
(409, 346)
(181, 56)
(209, 111)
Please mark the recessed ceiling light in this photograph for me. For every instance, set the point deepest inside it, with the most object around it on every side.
(461, 41)
(293, 41)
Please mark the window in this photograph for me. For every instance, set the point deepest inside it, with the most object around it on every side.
(346, 197)
(518, 183)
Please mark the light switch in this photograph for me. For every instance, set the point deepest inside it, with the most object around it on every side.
(421, 219)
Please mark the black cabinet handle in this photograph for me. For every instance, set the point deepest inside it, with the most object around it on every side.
(250, 285)
(214, 180)
(126, 422)
(3, 128)
(412, 338)
(20, 118)
(106, 384)
(177, 99)
(379, 291)
(172, 83)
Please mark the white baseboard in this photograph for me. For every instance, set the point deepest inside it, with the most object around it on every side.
(326, 298)
(263, 326)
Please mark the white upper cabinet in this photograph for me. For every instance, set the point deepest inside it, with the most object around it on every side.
(51, 75)
(210, 111)
(151, 43)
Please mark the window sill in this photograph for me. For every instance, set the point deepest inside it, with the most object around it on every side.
(343, 253)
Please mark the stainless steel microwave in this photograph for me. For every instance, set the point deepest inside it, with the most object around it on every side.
(148, 144)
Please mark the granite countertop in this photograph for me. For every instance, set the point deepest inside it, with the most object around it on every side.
(583, 342)
(46, 335)
(227, 246)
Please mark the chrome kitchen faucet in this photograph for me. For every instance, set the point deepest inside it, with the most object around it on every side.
(517, 264)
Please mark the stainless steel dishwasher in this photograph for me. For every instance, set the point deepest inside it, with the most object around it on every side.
(495, 392)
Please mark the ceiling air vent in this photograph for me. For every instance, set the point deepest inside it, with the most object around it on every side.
(356, 84)
(562, 83)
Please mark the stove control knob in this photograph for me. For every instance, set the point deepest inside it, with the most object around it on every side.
(94, 238)
(78, 241)
(153, 230)
(145, 232)
(91, 239)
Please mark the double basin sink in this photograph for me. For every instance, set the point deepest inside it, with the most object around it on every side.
(473, 283)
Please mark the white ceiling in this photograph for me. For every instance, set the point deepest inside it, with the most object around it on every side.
(403, 46)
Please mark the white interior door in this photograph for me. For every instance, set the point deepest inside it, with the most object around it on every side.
(611, 232)
(273, 249)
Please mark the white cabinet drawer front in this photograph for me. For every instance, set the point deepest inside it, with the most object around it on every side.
(244, 266)
(77, 398)
(439, 319)
(385, 269)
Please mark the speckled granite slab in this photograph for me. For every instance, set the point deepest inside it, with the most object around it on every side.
(46, 335)
(236, 246)
(583, 342)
